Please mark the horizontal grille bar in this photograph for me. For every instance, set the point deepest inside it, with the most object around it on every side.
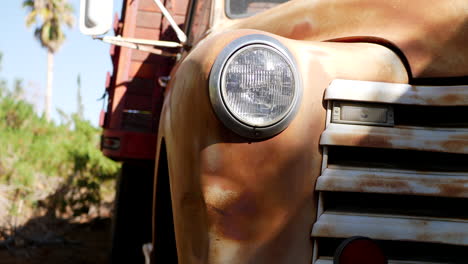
(397, 138)
(330, 261)
(394, 227)
(394, 182)
(394, 93)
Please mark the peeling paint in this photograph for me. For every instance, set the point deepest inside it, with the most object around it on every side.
(394, 182)
(403, 228)
(450, 141)
(396, 93)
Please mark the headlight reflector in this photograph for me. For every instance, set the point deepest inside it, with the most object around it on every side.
(255, 88)
(257, 85)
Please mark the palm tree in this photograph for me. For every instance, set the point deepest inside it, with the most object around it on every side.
(49, 16)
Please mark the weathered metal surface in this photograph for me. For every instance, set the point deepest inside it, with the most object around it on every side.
(330, 261)
(245, 200)
(394, 182)
(392, 228)
(396, 138)
(432, 35)
(378, 92)
(239, 201)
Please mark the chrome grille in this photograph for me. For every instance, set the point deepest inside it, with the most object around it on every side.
(420, 204)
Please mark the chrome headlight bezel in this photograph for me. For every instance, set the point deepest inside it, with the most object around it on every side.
(220, 107)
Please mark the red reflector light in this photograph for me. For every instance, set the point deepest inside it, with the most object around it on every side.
(359, 250)
(110, 143)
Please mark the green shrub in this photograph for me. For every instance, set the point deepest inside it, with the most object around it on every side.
(33, 151)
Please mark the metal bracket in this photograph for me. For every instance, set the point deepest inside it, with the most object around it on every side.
(163, 81)
(143, 44)
(147, 249)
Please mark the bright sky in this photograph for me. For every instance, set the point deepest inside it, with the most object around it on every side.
(23, 57)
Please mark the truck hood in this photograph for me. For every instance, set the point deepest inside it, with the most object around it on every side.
(432, 35)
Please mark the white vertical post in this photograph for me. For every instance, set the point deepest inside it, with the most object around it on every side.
(180, 34)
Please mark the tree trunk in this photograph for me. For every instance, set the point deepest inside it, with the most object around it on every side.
(50, 73)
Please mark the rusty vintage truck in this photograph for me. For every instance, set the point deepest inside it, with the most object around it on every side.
(288, 127)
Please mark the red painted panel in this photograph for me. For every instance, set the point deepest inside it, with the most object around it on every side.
(177, 7)
(133, 145)
(133, 84)
(142, 56)
(140, 86)
(148, 19)
(142, 70)
(137, 102)
(148, 5)
(178, 19)
(147, 33)
(108, 80)
(102, 117)
(117, 26)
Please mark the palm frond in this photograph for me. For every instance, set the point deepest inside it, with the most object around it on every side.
(28, 3)
(31, 18)
(49, 16)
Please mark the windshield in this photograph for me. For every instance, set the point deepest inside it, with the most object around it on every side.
(245, 8)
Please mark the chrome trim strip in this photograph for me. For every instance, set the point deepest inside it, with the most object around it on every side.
(396, 138)
(392, 227)
(393, 182)
(394, 93)
(330, 261)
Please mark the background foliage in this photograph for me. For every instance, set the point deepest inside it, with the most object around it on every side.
(43, 164)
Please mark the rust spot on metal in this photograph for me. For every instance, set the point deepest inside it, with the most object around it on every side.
(233, 216)
(451, 99)
(426, 183)
(434, 140)
(398, 185)
(301, 30)
(453, 190)
(364, 141)
(456, 146)
(368, 184)
(415, 96)
(463, 137)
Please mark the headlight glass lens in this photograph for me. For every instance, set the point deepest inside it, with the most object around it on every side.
(257, 85)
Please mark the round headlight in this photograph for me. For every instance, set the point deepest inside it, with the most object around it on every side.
(257, 85)
(254, 87)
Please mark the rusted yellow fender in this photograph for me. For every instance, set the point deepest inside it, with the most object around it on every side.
(431, 34)
(237, 200)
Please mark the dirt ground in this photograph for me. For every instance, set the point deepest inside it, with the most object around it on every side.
(61, 242)
(42, 238)
(45, 234)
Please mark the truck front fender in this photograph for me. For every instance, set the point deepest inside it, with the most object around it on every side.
(237, 200)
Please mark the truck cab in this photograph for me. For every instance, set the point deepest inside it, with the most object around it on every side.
(288, 128)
